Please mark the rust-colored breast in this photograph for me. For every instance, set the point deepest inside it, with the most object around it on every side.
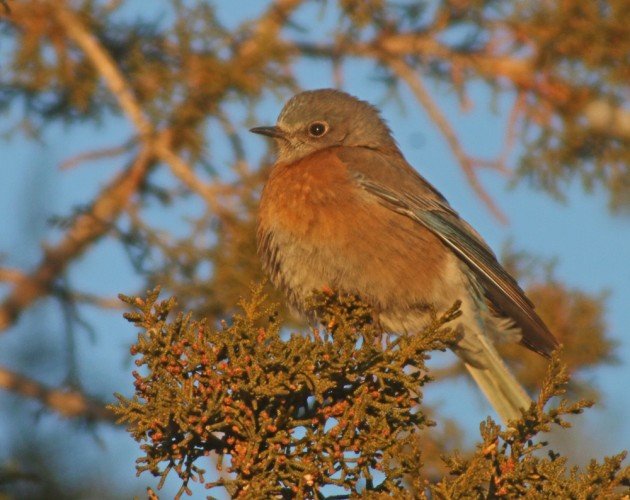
(307, 197)
(318, 228)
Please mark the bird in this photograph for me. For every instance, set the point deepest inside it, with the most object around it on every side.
(343, 210)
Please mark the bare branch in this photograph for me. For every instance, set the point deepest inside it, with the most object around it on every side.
(85, 230)
(235, 140)
(511, 130)
(68, 403)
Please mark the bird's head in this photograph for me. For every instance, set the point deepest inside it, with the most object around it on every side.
(318, 119)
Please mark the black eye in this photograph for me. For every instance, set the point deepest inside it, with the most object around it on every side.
(317, 129)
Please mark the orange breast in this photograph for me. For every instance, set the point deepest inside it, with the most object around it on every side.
(318, 228)
(306, 197)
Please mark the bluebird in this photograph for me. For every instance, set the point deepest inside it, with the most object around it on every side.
(342, 209)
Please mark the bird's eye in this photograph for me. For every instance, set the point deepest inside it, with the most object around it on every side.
(317, 129)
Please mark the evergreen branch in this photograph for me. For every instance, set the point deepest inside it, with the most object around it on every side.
(329, 408)
(326, 408)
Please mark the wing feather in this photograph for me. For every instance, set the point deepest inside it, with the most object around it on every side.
(423, 203)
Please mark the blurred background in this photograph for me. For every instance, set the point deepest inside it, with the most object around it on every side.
(126, 162)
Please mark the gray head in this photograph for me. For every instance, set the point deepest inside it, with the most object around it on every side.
(320, 119)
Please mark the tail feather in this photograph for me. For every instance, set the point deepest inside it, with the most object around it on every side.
(497, 383)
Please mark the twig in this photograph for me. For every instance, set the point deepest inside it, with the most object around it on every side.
(68, 403)
(415, 83)
(183, 171)
(96, 155)
(96, 301)
(338, 75)
(510, 133)
(234, 138)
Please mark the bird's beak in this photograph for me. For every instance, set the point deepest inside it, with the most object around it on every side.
(274, 131)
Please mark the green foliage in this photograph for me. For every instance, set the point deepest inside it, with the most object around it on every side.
(507, 464)
(333, 407)
(284, 417)
(582, 57)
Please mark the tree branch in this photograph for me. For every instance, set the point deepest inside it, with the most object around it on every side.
(85, 230)
(92, 225)
(95, 300)
(11, 275)
(187, 176)
(106, 66)
(601, 115)
(269, 25)
(99, 154)
(69, 404)
(415, 83)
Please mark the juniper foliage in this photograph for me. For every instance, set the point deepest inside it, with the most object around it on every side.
(284, 417)
(335, 407)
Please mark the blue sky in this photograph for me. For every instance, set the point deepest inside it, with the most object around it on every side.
(591, 246)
